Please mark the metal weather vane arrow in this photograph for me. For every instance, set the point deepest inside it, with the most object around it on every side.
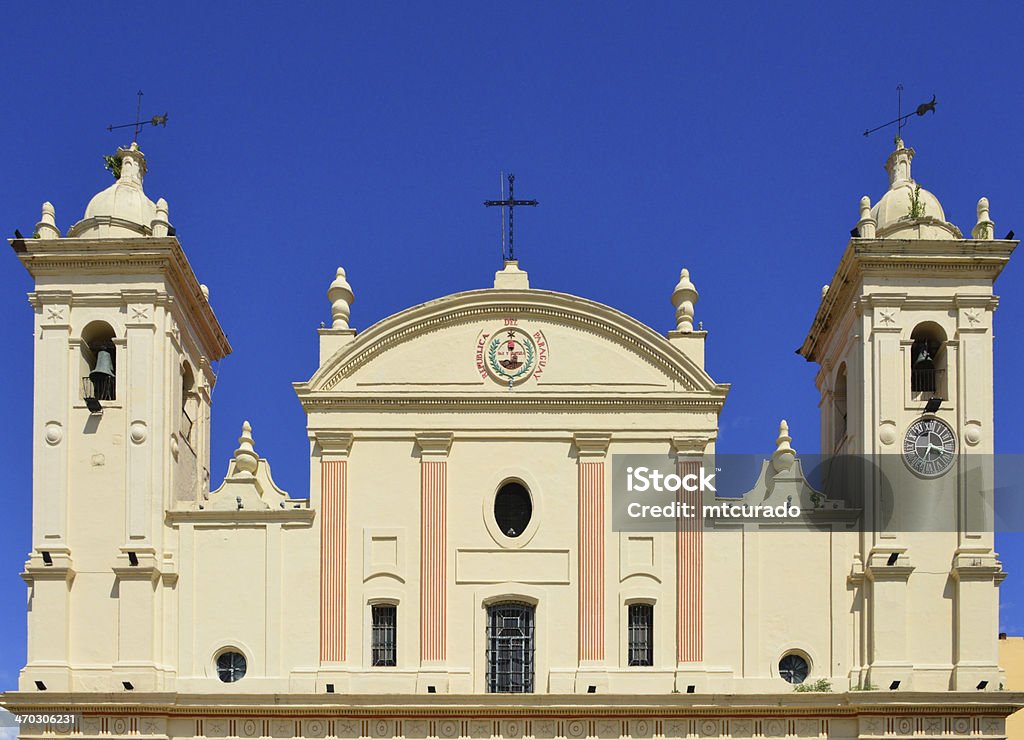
(138, 123)
(901, 118)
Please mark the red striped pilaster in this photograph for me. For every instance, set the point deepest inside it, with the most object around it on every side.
(591, 449)
(690, 573)
(591, 560)
(433, 559)
(333, 509)
(434, 447)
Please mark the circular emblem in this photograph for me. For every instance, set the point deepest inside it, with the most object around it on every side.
(512, 354)
(929, 447)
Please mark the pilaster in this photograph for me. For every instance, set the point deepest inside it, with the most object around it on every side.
(433, 448)
(591, 451)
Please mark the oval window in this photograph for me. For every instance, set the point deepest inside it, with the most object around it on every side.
(513, 509)
(793, 668)
(230, 666)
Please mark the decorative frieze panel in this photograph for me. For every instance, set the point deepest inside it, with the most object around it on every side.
(329, 725)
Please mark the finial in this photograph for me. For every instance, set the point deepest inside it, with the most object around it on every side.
(47, 226)
(246, 459)
(898, 166)
(341, 297)
(683, 298)
(784, 455)
(866, 226)
(985, 228)
(160, 226)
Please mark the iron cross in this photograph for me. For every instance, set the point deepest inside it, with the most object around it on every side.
(511, 203)
(139, 123)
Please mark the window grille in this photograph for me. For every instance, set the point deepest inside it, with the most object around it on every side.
(231, 666)
(384, 634)
(510, 648)
(641, 634)
(793, 668)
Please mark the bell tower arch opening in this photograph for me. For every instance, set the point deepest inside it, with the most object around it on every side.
(928, 361)
(99, 362)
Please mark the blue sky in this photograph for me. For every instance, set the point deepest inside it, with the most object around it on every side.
(725, 138)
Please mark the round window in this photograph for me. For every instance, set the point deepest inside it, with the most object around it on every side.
(793, 668)
(230, 666)
(513, 509)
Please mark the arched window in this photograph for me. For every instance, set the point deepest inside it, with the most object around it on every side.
(839, 407)
(513, 509)
(928, 361)
(510, 648)
(99, 361)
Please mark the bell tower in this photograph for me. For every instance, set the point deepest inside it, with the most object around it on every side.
(903, 337)
(124, 337)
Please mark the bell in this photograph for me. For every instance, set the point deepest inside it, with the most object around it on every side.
(923, 360)
(102, 374)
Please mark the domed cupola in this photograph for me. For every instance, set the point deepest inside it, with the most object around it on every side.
(122, 210)
(908, 211)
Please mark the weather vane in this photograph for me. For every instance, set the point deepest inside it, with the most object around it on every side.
(511, 204)
(901, 118)
(139, 123)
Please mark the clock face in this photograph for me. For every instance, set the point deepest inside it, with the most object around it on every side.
(929, 447)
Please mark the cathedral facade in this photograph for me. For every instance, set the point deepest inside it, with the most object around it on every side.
(455, 570)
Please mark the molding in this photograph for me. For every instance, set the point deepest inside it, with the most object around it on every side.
(312, 401)
(333, 442)
(129, 256)
(473, 306)
(591, 444)
(434, 444)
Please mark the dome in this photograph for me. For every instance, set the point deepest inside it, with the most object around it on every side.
(122, 209)
(907, 210)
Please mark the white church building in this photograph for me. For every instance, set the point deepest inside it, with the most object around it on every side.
(453, 570)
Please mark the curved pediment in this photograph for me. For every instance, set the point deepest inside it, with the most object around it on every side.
(533, 342)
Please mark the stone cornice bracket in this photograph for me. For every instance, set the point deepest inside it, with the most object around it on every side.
(141, 564)
(977, 565)
(434, 444)
(591, 444)
(878, 567)
(333, 443)
(689, 445)
(49, 563)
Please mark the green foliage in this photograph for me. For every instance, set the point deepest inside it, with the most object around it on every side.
(821, 685)
(865, 687)
(112, 163)
(35, 234)
(916, 206)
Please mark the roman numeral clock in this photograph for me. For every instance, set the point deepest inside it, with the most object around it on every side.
(929, 447)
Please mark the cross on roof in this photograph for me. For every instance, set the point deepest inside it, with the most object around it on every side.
(511, 204)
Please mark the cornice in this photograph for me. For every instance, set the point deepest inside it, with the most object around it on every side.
(536, 706)
(901, 257)
(129, 256)
(312, 401)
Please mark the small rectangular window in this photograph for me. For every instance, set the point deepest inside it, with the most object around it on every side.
(641, 634)
(384, 635)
